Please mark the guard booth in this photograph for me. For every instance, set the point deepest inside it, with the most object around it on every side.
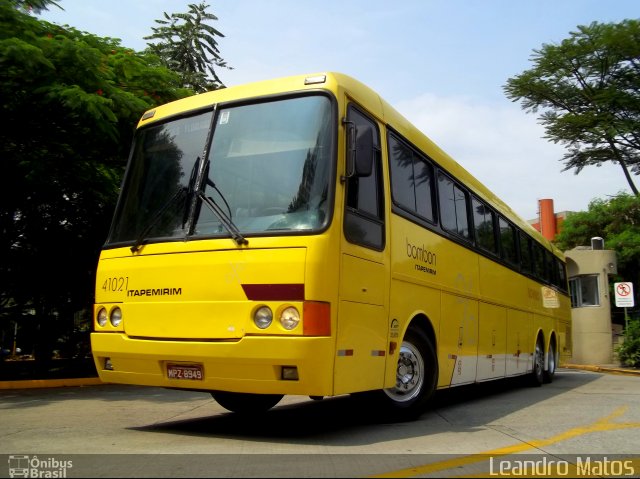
(589, 269)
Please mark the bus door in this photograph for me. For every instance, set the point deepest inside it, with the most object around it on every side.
(362, 324)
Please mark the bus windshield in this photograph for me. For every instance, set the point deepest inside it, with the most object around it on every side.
(268, 168)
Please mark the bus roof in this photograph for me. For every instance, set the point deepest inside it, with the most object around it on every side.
(340, 83)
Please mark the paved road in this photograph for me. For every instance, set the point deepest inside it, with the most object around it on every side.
(113, 430)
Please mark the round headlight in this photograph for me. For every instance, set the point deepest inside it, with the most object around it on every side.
(263, 317)
(101, 317)
(116, 316)
(289, 318)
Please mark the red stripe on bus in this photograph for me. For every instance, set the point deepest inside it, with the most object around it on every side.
(274, 292)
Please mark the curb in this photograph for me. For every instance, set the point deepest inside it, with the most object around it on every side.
(603, 369)
(49, 383)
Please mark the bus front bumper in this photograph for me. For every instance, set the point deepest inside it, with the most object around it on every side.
(253, 364)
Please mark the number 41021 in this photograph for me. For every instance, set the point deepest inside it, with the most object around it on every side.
(115, 284)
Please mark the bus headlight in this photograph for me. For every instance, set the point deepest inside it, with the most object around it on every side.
(102, 317)
(263, 317)
(116, 317)
(289, 318)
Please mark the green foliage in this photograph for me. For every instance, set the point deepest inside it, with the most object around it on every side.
(616, 220)
(587, 90)
(35, 6)
(188, 45)
(70, 102)
(629, 351)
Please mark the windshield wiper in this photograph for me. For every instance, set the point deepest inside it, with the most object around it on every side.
(187, 191)
(181, 191)
(225, 219)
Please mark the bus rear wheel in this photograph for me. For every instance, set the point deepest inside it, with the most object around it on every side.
(416, 375)
(537, 375)
(552, 362)
(245, 403)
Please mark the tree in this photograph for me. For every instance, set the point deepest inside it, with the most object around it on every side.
(188, 45)
(70, 102)
(629, 350)
(617, 221)
(588, 90)
(35, 6)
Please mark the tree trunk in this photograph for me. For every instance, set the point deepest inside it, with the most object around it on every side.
(629, 179)
(623, 164)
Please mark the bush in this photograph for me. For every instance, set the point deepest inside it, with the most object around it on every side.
(629, 351)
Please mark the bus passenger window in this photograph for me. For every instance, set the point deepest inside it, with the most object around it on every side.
(508, 250)
(562, 274)
(525, 252)
(453, 206)
(484, 221)
(538, 262)
(411, 179)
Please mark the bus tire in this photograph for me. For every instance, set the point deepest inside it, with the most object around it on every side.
(537, 375)
(552, 362)
(245, 403)
(416, 376)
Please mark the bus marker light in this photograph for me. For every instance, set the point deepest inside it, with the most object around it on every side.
(316, 318)
(290, 373)
(315, 80)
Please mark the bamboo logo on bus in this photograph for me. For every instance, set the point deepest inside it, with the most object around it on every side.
(428, 258)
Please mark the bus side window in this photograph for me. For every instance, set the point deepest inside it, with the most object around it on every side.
(484, 224)
(364, 212)
(508, 249)
(538, 262)
(525, 253)
(453, 207)
(562, 275)
(411, 179)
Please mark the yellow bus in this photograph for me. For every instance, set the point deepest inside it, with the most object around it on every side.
(298, 236)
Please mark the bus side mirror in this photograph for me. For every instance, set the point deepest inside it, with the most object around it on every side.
(360, 151)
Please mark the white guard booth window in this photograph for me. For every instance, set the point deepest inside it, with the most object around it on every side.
(584, 291)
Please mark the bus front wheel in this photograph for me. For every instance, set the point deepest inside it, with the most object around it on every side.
(416, 375)
(245, 403)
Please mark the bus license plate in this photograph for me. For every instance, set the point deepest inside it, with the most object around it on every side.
(193, 372)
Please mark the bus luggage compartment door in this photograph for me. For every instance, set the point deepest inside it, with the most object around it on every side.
(361, 334)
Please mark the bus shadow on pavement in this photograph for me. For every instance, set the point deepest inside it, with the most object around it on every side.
(344, 420)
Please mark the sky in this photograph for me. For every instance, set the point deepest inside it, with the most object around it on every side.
(441, 63)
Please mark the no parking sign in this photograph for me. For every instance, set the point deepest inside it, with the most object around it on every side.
(624, 295)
